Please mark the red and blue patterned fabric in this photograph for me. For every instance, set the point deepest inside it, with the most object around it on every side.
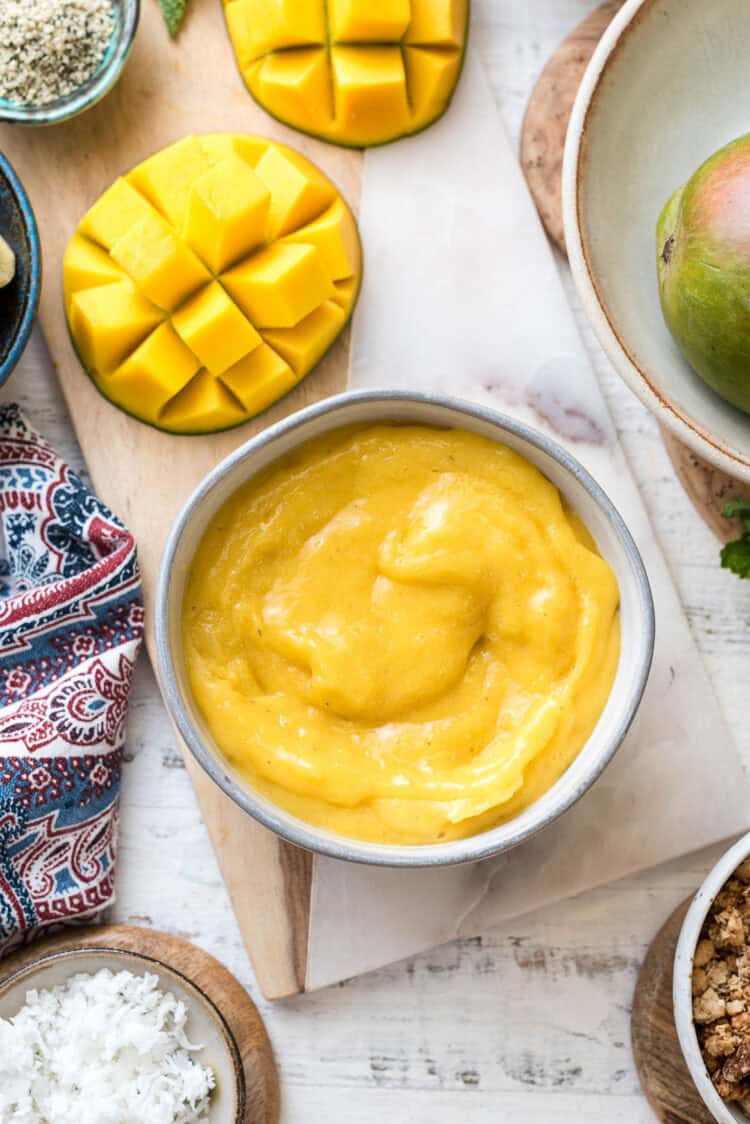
(71, 621)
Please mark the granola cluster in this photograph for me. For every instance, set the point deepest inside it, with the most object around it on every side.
(721, 989)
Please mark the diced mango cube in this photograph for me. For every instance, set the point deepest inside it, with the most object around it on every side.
(227, 213)
(236, 14)
(279, 286)
(251, 149)
(153, 373)
(167, 177)
(346, 291)
(217, 146)
(303, 345)
(259, 379)
(162, 266)
(85, 266)
(114, 213)
(275, 24)
(335, 237)
(205, 404)
(365, 21)
(440, 24)
(298, 195)
(431, 74)
(108, 322)
(298, 85)
(370, 92)
(214, 329)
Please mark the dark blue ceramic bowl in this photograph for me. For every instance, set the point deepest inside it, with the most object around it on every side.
(19, 300)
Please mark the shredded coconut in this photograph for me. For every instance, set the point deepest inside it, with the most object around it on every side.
(101, 1049)
(48, 48)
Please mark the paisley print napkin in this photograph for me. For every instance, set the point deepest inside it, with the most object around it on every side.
(71, 620)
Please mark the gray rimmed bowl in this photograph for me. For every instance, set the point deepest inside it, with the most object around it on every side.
(667, 86)
(205, 1024)
(682, 982)
(127, 13)
(367, 408)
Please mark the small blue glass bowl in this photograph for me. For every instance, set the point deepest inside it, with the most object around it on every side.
(126, 14)
(19, 299)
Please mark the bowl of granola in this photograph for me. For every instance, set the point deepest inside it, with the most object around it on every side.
(711, 987)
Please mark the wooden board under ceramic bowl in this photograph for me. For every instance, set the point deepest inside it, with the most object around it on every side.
(222, 1018)
(169, 90)
(662, 1070)
(543, 135)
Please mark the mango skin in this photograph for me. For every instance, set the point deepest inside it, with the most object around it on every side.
(703, 264)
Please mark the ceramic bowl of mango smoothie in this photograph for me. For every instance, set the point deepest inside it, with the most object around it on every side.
(402, 630)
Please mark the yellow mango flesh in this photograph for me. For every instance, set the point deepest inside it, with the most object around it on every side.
(400, 634)
(109, 322)
(162, 266)
(275, 24)
(280, 286)
(260, 378)
(297, 84)
(154, 373)
(227, 213)
(363, 21)
(341, 69)
(207, 282)
(87, 266)
(305, 344)
(331, 234)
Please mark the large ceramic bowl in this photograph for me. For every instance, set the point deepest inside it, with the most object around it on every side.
(682, 982)
(592, 504)
(667, 86)
(19, 299)
(126, 13)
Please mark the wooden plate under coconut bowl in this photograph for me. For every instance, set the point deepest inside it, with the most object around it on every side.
(222, 1017)
(664, 89)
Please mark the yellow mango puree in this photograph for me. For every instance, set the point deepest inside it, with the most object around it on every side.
(400, 634)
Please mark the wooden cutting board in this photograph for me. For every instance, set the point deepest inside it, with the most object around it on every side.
(169, 90)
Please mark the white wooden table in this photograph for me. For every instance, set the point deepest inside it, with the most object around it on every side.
(529, 1024)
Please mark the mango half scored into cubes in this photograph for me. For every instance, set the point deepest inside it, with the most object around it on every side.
(356, 72)
(204, 284)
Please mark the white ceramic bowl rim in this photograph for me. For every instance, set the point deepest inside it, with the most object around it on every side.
(686, 428)
(475, 847)
(683, 975)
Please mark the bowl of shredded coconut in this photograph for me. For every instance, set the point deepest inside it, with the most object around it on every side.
(101, 1036)
(59, 57)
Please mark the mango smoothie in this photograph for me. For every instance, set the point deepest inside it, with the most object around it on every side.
(400, 634)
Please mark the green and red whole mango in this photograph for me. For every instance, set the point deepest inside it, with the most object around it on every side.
(703, 246)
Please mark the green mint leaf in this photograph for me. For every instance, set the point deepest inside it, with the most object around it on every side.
(735, 556)
(174, 11)
(738, 509)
